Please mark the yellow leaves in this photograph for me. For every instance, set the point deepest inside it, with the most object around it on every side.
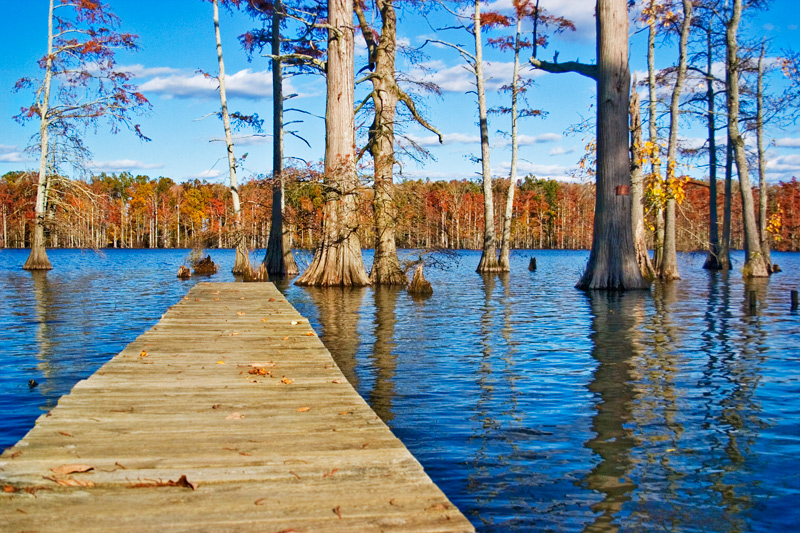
(775, 223)
(143, 354)
(286, 381)
(239, 313)
(220, 362)
(303, 409)
(260, 372)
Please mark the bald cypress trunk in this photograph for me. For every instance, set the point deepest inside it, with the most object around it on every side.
(279, 260)
(762, 166)
(714, 259)
(612, 260)
(337, 259)
(241, 263)
(637, 189)
(755, 265)
(488, 261)
(37, 260)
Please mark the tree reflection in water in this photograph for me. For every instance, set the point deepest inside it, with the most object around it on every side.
(615, 317)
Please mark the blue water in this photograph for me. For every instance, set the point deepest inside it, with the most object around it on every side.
(534, 406)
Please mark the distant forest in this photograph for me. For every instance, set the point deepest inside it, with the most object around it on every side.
(126, 211)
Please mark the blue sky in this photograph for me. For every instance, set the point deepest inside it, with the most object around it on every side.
(177, 40)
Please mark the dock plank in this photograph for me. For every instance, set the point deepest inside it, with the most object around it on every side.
(296, 449)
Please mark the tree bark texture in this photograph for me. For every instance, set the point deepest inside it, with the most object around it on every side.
(725, 243)
(668, 268)
(241, 264)
(637, 189)
(612, 260)
(385, 97)
(37, 260)
(504, 262)
(755, 265)
(337, 259)
(279, 260)
(488, 262)
(713, 259)
(762, 165)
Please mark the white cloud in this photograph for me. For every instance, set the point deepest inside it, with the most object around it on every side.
(447, 138)
(206, 174)
(122, 165)
(560, 150)
(787, 142)
(140, 71)
(784, 164)
(580, 12)
(460, 79)
(12, 154)
(244, 84)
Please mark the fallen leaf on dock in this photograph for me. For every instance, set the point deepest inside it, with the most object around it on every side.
(143, 354)
(286, 381)
(332, 472)
(310, 334)
(220, 362)
(338, 511)
(72, 482)
(234, 416)
(181, 482)
(239, 313)
(272, 299)
(65, 433)
(286, 338)
(303, 409)
(9, 488)
(234, 333)
(63, 470)
(263, 320)
(260, 372)
(336, 381)
(437, 507)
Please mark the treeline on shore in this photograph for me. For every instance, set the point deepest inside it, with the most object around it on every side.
(127, 211)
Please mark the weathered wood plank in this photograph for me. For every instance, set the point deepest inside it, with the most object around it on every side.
(294, 449)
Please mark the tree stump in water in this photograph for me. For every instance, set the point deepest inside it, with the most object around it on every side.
(184, 273)
(252, 274)
(205, 266)
(532, 264)
(419, 285)
(775, 269)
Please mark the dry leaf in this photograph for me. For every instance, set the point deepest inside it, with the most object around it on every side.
(181, 482)
(234, 333)
(234, 416)
(260, 501)
(259, 372)
(239, 313)
(338, 511)
(9, 488)
(65, 433)
(220, 362)
(286, 381)
(263, 320)
(286, 338)
(310, 334)
(303, 409)
(143, 354)
(292, 472)
(272, 299)
(344, 413)
(332, 472)
(336, 381)
(71, 482)
(216, 406)
(63, 470)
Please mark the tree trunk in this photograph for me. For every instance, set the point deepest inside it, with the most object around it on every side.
(504, 262)
(637, 189)
(488, 262)
(668, 268)
(763, 215)
(612, 260)
(385, 96)
(658, 246)
(279, 260)
(755, 266)
(713, 259)
(242, 263)
(337, 259)
(37, 260)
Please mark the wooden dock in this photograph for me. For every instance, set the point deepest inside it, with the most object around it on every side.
(228, 415)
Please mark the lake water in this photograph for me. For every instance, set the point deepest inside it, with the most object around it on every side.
(534, 406)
